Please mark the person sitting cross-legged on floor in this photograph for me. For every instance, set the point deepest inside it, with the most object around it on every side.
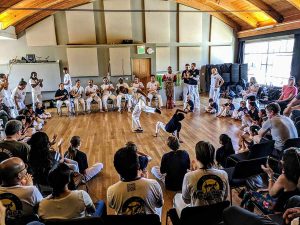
(75, 154)
(17, 181)
(64, 203)
(133, 194)
(174, 165)
(195, 189)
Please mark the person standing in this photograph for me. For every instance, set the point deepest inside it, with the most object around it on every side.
(185, 77)
(19, 94)
(67, 80)
(169, 79)
(62, 96)
(107, 89)
(152, 88)
(91, 91)
(36, 86)
(193, 85)
(77, 92)
(215, 85)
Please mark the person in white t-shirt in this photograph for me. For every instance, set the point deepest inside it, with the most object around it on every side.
(120, 94)
(108, 90)
(67, 80)
(36, 86)
(204, 185)
(153, 88)
(64, 203)
(17, 181)
(92, 91)
(215, 85)
(77, 93)
(6, 96)
(137, 84)
(19, 94)
(133, 194)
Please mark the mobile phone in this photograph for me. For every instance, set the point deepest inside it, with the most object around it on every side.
(273, 164)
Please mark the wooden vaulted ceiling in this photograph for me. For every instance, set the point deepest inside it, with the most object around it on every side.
(247, 17)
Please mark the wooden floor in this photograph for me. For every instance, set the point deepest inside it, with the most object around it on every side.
(102, 134)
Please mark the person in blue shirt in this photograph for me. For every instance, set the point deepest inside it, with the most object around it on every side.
(173, 126)
(212, 107)
(226, 109)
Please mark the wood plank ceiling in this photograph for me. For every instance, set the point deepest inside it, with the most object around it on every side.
(247, 17)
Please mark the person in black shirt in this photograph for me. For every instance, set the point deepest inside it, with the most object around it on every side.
(173, 126)
(193, 85)
(185, 77)
(62, 96)
(212, 107)
(189, 105)
(174, 165)
(75, 154)
(251, 117)
(225, 150)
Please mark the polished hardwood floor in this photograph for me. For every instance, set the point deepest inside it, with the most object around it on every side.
(102, 134)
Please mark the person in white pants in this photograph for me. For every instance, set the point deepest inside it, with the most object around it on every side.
(193, 85)
(19, 94)
(91, 91)
(62, 96)
(121, 94)
(215, 85)
(137, 84)
(152, 88)
(139, 99)
(75, 154)
(77, 92)
(5, 95)
(107, 89)
(36, 86)
(67, 80)
(185, 76)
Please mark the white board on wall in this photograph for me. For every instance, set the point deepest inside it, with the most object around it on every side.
(189, 55)
(162, 58)
(157, 23)
(221, 54)
(220, 32)
(120, 61)
(83, 62)
(35, 35)
(190, 25)
(81, 26)
(118, 25)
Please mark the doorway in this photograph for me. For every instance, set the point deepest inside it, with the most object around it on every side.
(142, 69)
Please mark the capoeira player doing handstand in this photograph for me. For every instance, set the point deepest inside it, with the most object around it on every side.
(173, 126)
(139, 99)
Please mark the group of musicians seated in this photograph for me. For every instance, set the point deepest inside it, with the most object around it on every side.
(75, 95)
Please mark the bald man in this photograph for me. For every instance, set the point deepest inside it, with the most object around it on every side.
(17, 181)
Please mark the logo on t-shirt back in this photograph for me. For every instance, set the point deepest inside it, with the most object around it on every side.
(13, 205)
(133, 206)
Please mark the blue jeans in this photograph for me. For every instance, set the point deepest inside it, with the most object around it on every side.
(100, 209)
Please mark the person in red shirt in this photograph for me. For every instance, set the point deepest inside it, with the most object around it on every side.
(287, 94)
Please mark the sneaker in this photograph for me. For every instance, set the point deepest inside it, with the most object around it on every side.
(157, 110)
(138, 131)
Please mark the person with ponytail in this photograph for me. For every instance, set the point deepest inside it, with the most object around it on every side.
(225, 150)
(19, 94)
(204, 185)
(64, 203)
(73, 153)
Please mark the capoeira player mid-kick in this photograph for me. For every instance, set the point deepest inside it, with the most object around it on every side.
(139, 99)
(173, 126)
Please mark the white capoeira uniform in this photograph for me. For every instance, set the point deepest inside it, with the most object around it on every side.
(140, 105)
(215, 92)
(121, 95)
(67, 78)
(36, 92)
(79, 99)
(92, 96)
(107, 94)
(20, 97)
(153, 92)
(6, 96)
(65, 99)
(193, 88)
(185, 87)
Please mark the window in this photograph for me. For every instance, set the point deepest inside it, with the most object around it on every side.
(269, 61)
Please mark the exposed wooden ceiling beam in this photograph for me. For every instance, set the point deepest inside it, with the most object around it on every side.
(10, 17)
(272, 29)
(295, 3)
(220, 16)
(66, 4)
(268, 10)
(8, 3)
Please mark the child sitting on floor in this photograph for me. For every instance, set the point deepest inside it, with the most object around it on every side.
(238, 113)
(227, 109)
(212, 107)
(189, 105)
(40, 112)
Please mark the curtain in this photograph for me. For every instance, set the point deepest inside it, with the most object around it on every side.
(240, 53)
(295, 67)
